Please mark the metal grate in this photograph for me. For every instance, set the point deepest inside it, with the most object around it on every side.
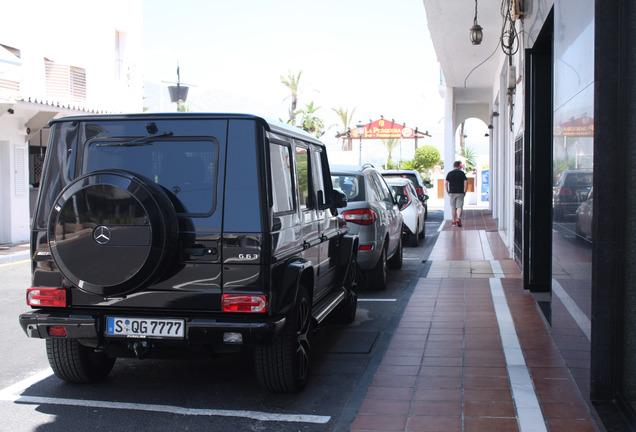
(347, 342)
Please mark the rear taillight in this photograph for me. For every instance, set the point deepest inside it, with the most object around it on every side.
(420, 191)
(565, 191)
(58, 331)
(244, 303)
(366, 247)
(46, 297)
(360, 216)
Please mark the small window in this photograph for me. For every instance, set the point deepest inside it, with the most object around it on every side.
(302, 171)
(282, 186)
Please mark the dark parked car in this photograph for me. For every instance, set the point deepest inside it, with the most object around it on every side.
(186, 232)
(416, 179)
(572, 188)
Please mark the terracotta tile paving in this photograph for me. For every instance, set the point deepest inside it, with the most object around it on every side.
(445, 368)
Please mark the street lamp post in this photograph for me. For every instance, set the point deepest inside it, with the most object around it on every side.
(360, 129)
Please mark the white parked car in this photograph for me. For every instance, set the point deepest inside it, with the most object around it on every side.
(411, 208)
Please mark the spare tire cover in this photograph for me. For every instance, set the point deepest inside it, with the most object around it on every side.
(112, 232)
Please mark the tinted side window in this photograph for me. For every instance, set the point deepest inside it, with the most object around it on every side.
(302, 171)
(318, 178)
(373, 194)
(282, 186)
(383, 189)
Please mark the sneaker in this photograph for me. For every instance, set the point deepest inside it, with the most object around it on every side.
(454, 223)
(459, 222)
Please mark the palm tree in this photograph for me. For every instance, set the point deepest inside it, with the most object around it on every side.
(346, 119)
(310, 122)
(292, 83)
(468, 153)
(391, 144)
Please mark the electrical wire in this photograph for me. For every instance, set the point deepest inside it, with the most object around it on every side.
(509, 36)
(488, 58)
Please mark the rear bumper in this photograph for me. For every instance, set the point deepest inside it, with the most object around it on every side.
(198, 331)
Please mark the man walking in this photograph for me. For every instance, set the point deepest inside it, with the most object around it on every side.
(456, 187)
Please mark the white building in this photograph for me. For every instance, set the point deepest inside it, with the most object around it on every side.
(70, 57)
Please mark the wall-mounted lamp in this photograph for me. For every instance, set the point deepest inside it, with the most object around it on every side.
(10, 111)
(495, 114)
(476, 33)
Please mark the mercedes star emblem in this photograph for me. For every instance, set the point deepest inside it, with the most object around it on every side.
(101, 234)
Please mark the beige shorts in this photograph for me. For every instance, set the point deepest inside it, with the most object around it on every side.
(456, 200)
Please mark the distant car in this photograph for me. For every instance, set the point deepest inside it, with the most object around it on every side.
(584, 215)
(372, 214)
(416, 179)
(412, 209)
(572, 188)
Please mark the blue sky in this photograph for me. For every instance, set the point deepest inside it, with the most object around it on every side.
(372, 55)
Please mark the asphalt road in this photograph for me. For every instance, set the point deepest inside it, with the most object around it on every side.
(219, 394)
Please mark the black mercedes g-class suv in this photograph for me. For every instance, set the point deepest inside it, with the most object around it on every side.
(163, 232)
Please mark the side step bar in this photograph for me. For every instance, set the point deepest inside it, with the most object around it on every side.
(328, 304)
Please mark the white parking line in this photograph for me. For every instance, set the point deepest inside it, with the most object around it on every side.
(11, 394)
(376, 300)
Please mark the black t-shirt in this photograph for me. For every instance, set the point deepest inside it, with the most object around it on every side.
(455, 180)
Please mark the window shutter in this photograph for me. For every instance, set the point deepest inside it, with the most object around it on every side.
(20, 171)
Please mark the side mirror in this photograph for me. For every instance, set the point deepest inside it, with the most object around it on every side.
(428, 184)
(338, 199)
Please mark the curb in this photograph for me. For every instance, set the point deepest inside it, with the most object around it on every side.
(6, 259)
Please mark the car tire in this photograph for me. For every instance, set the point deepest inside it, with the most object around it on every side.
(283, 366)
(398, 257)
(414, 237)
(75, 363)
(377, 276)
(423, 232)
(425, 211)
(345, 312)
(113, 232)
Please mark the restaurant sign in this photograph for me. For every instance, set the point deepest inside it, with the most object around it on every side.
(384, 129)
(577, 127)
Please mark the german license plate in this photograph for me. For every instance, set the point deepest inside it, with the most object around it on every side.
(145, 327)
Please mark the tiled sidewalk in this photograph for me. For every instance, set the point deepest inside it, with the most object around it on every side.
(456, 363)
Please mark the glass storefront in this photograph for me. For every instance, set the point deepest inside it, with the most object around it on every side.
(573, 172)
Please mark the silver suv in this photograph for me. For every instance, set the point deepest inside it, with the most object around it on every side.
(373, 215)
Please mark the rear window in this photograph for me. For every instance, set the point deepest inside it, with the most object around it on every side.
(406, 176)
(578, 180)
(351, 185)
(187, 169)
